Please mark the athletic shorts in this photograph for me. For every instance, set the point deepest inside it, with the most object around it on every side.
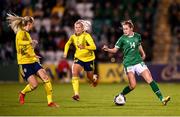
(27, 70)
(138, 68)
(88, 66)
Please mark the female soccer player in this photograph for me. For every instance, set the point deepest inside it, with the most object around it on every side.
(27, 59)
(84, 55)
(130, 44)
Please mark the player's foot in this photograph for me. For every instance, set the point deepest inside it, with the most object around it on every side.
(95, 80)
(123, 96)
(165, 100)
(53, 104)
(21, 98)
(76, 97)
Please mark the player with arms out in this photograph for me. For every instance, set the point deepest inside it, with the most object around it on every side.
(84, 55)
(27, 59)
(130, 44)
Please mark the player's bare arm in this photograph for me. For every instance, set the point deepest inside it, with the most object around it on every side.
(107, 49)
(143, 55)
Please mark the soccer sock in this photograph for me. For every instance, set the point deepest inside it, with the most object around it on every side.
(156, 90)
(75, 84)
(27, 89)
(126, 90)
(48, 88)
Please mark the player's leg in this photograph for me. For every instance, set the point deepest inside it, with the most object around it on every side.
(32, 84)
(132, 83)
(148, 78)
(89, 68)
(76, 69)
(28, 75)
(48, 87)
(92, 77)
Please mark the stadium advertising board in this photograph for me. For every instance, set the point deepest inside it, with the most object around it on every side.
(165, 73)
(111, 72)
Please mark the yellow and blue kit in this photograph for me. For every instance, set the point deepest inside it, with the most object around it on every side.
(26, 56)
(86, 56)
(24, 48)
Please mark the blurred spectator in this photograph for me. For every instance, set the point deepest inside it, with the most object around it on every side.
(174, 21)
(84, 9)
(58, 9)
(64, 70)
(54, 21)
(38, 13)
(49, 44)
(174, 15)
(27, 11)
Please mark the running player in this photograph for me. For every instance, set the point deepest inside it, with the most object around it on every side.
(27, 59)
(130, 44)
(84, 56)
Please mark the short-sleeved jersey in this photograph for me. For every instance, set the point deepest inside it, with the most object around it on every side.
(85, 39)
(130, 48)
(25, 51)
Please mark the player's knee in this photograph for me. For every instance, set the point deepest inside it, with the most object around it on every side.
(90, 76)
(34, 86)
(45, 77)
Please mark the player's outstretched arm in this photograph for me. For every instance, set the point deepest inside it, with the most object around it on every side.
(113, 50)
(66, 48)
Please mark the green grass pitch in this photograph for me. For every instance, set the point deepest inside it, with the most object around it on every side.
(93, 101)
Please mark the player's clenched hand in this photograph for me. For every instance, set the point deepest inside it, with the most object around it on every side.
(105, 48)
(143, 56)
(34, 43)
(81, 46)
(64, 56)
(38, 57)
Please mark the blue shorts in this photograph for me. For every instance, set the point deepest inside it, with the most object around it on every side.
(88, 66)
(27, 70)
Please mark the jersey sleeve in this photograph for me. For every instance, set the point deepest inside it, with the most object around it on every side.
(67, 45)
(139, 39)
(91, 45)
(119, 43)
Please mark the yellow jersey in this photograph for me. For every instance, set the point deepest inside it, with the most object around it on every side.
(24, 48)
(85, 39)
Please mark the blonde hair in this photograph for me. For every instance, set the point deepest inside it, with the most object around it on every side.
(16, 22)
(86, 24)
(128, 22)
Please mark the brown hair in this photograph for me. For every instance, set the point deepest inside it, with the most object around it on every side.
(128, 22)
(16, 22)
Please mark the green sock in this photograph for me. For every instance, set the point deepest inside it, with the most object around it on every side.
(126, 90)
(156, 90)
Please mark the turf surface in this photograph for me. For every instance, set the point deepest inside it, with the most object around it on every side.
(93, 101)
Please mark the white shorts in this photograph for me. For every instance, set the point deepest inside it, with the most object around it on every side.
(138, 68)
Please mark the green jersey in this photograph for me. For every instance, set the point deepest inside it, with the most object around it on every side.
(130, 47)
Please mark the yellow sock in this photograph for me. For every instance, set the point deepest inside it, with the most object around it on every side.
(27, 89)
(75, 84)
(48, 88)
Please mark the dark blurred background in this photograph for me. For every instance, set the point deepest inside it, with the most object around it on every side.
(158, 22)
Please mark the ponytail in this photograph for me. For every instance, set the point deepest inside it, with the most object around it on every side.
(16, 22)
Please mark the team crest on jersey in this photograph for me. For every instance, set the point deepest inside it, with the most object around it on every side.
(25, 70)
(91, 66)
(136, 40)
